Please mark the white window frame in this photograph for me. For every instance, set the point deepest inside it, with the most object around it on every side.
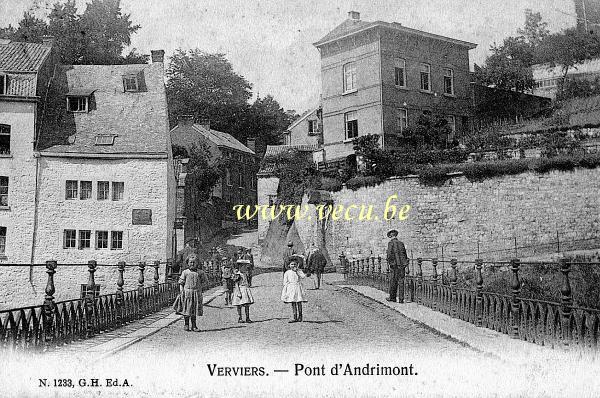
(4, 192)
(3, 233)
(127, 79)
(73, 240)
(349, 75)
(350, 117)
(401, 120)
(74, 192)
(91, 190)
(115, 192)
(313, 126)
(452, 124)
(113, 238)
(426, 73)
(400, 63)
(78, 98)
(99, 190)
(81, 240)
(451, 77)
(5, 131)
(107, 242)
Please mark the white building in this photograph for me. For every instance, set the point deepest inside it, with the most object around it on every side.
(547, 77)
(86, 172)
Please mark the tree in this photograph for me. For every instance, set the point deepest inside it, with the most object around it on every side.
(206, 86)
(509, 65)
(568, 49)
(98, 36)
(267, 120)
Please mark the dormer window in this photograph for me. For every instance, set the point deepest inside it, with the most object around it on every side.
(132, 82)
(78, 100)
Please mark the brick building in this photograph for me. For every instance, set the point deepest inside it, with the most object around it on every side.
(379, 77)
(236, 186)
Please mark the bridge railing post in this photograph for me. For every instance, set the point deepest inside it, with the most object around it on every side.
(120, 297)
(434, 264)
(49, 305)
(479, 291)
(141, 300)
(566, 301)
(515, 285)
(453, 284)
(420, 280)
(157, 300)
(379, 274)
(90, 300)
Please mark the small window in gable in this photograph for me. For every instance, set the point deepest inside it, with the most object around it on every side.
(77, 103)
(133, 82)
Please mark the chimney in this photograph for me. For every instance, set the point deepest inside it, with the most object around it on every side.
(251, 144)
(157, 55)
(205, 123)
(48, 40)
(185, 120)
(354, 15)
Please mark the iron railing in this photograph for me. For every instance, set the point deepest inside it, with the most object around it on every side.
(51, 324)
(547, 323)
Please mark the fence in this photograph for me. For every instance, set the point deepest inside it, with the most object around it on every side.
(548, 323)
(50, 324)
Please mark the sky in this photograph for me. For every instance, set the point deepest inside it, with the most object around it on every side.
(269, 42)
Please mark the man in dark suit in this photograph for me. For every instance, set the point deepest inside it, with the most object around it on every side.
(398, 262)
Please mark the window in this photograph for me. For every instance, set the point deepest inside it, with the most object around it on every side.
(2, 240)
(349, 77)
(71, 190)
(448, 81)
(3, 191)
(85, 239)
(70, 239)
(313, 126)
(77, 104)
(351, 125)
(228, 177)
(401, 120)
(118, 190)
(116, 240)
(400, 72)
(101, 239)
(241, 179)
(86, 190)
(425, 77)
(131, 83)
(4, 139)
(103, 190)
(3, 84)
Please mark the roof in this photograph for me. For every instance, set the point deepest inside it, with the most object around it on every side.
(185, 134)
(267, 168)
(351, 26)
(21, 84)
(138, 119)
(22, 57)
(303, 117)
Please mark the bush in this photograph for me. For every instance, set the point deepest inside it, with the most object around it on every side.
(363, 181)
(436, 175)
(483, 170)
(590, 161)
(558, 163)
(331, 184)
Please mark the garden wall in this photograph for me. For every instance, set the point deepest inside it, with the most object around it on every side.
(523, 215)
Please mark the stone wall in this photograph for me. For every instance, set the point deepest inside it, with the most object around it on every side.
(454, 217)
(266, 187)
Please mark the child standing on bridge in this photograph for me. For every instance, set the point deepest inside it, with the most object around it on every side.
(242, 295)
(227, 275)
(293, 291)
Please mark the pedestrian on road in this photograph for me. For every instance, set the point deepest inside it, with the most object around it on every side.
(293, 292)
(287, 256)
(242, 294)
(316, 264)
(191, 282)
(397, 262)
(227, 277)
(248, 256)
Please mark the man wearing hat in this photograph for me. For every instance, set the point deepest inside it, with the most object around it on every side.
(397, 261)
(287, 255)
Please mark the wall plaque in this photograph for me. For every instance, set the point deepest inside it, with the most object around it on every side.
(141, 217)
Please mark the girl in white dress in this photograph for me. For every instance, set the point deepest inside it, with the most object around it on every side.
(242, 294)
(293, 291)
